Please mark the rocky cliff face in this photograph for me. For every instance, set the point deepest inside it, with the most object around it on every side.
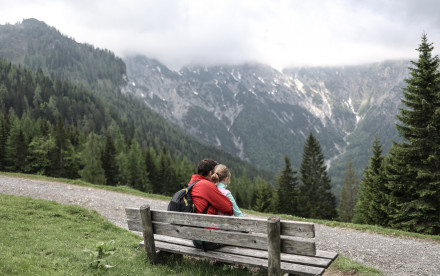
(261, 114)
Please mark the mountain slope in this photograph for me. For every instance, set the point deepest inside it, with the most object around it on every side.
(101, 76)
(260, 114)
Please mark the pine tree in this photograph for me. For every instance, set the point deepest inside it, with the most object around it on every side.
(4, 133)
(348, 195)
(91, 158)
(64, 160)
(371, 207)
(150, 157)
(263, 196)
(413, 170)
(138, 177)
(14, 141)
(316, 198)
(244, 189)
(38, 161)
(60, 147)
(108, 160)
(287, 193)
(168, 182)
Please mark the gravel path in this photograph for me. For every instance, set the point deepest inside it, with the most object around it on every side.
(393, 256)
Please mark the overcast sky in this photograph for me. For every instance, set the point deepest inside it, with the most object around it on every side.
(280, 33)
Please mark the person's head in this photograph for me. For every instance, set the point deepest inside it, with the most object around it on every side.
(205, 167)
(221, 174)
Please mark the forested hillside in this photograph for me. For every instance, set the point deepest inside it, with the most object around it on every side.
(84, 126)
(36, 45)
(98, 76)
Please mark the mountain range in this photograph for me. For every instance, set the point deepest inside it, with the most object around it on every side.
(260, 114)
(252, 111)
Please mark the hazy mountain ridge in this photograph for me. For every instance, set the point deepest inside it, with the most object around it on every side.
(103, 75)
(260, 114)
(251, 110)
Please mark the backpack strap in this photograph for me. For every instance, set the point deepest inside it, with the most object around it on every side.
(206, 209)
(189, 190)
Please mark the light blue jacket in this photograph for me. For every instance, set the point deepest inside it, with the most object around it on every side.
(226, 192)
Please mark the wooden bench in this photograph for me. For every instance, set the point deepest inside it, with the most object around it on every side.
(279, 246)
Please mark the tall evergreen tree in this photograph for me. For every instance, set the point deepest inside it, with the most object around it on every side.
(38, 161)
(414, 164)
(15, 145)
(287, 189)
(138, 177)
(348, 195)
(167, 180)
(371, 207)
(108, 160)
(316, 198)
(60, 147)
(4, 133)
(263, 196)
(150, 156)
(91, 158)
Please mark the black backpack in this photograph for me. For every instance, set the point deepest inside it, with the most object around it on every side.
(182, 201)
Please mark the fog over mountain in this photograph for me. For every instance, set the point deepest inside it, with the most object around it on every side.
(279, 33)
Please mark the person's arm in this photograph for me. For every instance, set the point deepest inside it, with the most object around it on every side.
(218, 200)
(235, 209)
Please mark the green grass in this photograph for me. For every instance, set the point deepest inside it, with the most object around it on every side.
(39, 237)
(349, 267)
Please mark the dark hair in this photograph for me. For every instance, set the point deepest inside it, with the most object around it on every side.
(205, 166)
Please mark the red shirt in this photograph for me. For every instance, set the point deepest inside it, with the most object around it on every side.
(205, 191)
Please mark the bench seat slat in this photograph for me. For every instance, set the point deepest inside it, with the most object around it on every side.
(256, 241)
(298, 259)
(326, 255)
(289, 228)
(237, 259)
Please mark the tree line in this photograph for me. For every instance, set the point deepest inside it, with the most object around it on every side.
(60, 150)
(401, 189)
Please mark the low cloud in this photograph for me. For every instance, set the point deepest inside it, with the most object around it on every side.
(280, 33)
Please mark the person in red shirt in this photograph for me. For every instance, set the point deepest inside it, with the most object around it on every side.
(207, 198)
(206, 193)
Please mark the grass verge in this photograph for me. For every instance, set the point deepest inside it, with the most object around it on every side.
(345, 266)
(39, 237)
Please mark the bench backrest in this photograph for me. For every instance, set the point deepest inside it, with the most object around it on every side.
(295, 237)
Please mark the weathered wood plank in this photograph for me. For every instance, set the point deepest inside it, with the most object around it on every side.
(262, 254)
(211, 235)
(298, 246)
(237, 259)
(210, 221)
(253, 240)
(298, 229)
(132, 213)
(134, 225)
(326, 255)
(288, 228)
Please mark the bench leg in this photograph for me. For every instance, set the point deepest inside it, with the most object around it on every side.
(147, 226)
(274, 246)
